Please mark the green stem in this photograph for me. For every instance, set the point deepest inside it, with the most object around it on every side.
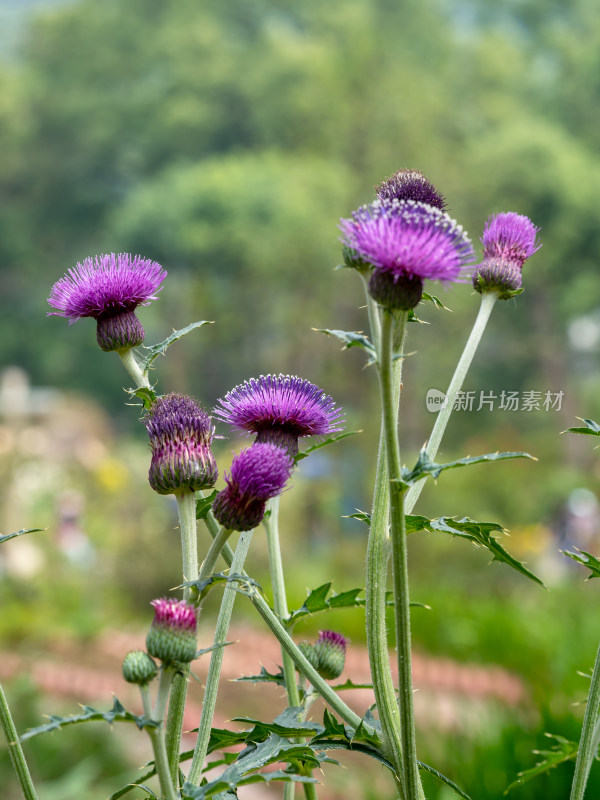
(590, 735)
(372, 311)
(214, 671)
(271, 523)
(411, 782)
(375, 605)
(156, 735)
(161, 762)
(186, 505)
(15, 750)
(132, 366)
(214, 551)
(164, 687)
(326, 692)
(488, 299)
(304, 666)
(214, 528)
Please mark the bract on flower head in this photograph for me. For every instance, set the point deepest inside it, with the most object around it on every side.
(407, 242)
(327, 655)
(280, 409)
(109, 288)
(181, 434)
(410, 184)
(509, 239)
(257, 474)
(172, 635)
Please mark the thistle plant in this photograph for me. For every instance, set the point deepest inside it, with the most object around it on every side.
(395, 244)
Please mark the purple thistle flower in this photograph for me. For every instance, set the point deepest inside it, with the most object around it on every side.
(410, 184)
(180, 434)
(332, 639)
(109, 288)
(280, 409)
(257, 474)
(327, 655)
(172, 635)
(406, 242)
(509, 239)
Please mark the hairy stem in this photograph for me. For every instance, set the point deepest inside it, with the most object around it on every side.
(590, 736)
(375, 599)
(411, 780)
(132, 366)
(327, 693)
(186, 506)
(304, 667)
(214, 671)
(214, 551)
(271, 523)
(15, 750)
(157, 735)
(488, 299)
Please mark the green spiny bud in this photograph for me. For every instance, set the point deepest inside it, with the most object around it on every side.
(138, 667)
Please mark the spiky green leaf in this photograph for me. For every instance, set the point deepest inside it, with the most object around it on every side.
(331, 440)
(483, 534)
(160, 349)
(319, 600)
(456, 789)
(587, 559)
(564, 750)
(425, 467)
(288, 724)
(264, 677)
(254, 757)
(431, 298)
(204, 505)
(353, 339)
(116, 714)
(126, 789)
(7, 536)
(239, 581)
(361, 516)
(146, 394)
(591, 428)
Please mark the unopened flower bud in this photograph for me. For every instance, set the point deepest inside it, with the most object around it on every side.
(172, 635)
(308, 651)
(138, 667)
(411, 184)
(330, 649)
(180, 434)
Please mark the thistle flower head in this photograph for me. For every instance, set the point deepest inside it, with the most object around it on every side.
(172, 635)
(330, 649)
(406, 242)
(109, 288)
(327, 655)
(280, 409)
(257, 474)
(509, 239)
(180, 434)
(410, 184)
